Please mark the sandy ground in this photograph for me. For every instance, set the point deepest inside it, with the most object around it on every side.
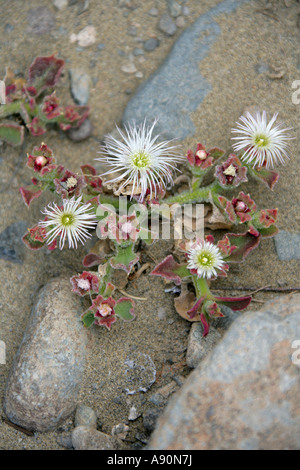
(250, 41)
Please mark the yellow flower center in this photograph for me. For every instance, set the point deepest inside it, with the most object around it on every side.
(140, 160)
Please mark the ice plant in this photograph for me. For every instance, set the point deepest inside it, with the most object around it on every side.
(205, 259)
(262, 142)
(140, 160)
(142, 171)
(34, 102)
(72, 222)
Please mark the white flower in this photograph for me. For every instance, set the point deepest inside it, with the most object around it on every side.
(262, 142)
(141, 161)
(206, 258)
(72, 221)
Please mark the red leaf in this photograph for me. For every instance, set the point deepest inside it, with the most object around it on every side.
(44, 72)
(235, 303)
(28, 195)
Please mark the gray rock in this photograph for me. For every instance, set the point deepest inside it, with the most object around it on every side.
(45, 378)
(120, 431)
(77, 134)
(174, 8)
(199, 346)
(85, 416)
(185, 10)
(153, 12)
(167, 25)
(60, 4)
(160, 398)
(11, 246)
(180, 22)
(140, 373)
(245, 394)
(150, 418)
(151, 44)
(80, 86)
(84, 438)
(65, 441)
(287, 245)
(41, 20)
(177, 88)
(82, 6)
(138, 51)
(133, 414)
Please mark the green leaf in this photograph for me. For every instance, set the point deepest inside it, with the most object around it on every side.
(12, 133)
(88, 319)
(124, 309)
(125, 258)
(267, 232)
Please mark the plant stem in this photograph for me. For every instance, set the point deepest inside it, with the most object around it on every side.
(196, 195)
(105, 279)
(201, 288)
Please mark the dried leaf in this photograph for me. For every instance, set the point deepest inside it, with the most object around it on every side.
(184, 303)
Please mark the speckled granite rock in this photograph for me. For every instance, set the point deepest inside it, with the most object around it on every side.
(46, 375)
(245, 394)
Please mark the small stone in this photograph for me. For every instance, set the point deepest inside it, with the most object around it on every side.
(80, 86)
(140, 373)
(140, 436)
(180, 23)
(60, 4)
(161, 313)
(185, 10)
(174, 8)
(65, 441)
(153, 12)
(100, 46)
(199, 346)
(139, 74)
(86, 37)
(45, 379)
(287, 245)
(150, 417)
(129, 68)
(84, 438)
(132, 30)
(151, 44)
(133, 414)
(85, 416)
(40, 20)
(137, 51)
(167, 25)
(120, 431)
(82, 6)
(162, 394)
(77, 134)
